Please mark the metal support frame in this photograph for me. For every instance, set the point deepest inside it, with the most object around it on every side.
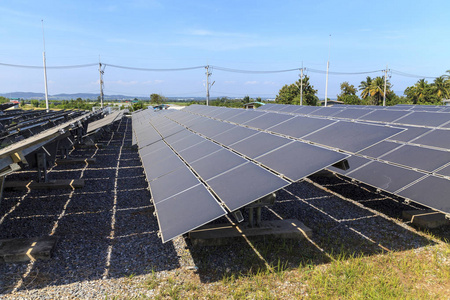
(2, 184)
(41, 159)
(256, 207)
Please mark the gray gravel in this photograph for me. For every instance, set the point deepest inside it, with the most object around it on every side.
(362, 222)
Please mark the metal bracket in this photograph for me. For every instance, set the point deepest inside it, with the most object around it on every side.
(238, 216)
(41, 159)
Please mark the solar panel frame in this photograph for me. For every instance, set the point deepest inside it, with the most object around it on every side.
(351, 136)
(199, 150)
(245, 184)
(258, 144)
(287, 162)
(179, 214)
(352, 113)
(430, 119)
(380, 149)
(385, 116)
(438, 138)
(300, 126)
(385, 176)
(421, 158)
(234, 135)
(431, 191)
(268, 120)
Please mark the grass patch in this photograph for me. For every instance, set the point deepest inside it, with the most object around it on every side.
(413, 274)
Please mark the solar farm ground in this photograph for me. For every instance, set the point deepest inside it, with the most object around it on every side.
(108, 244)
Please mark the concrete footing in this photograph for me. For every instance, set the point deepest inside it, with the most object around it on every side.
(426, 218)
(74, 161)
(221, 234)
(24, 250)
(52, 184)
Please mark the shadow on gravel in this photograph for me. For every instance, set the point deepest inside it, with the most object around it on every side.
(341, 229)
(106, 228)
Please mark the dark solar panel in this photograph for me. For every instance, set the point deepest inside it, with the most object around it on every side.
(436, 138)
(185, 143)
(351, 136)
(384, 176)
(172, 183)
(352, 113)
(178, 136)
(380, 149)
(268, 120)
(245, 184)
(410, 134)
(289, 108)
(186, 211)
(217, 163)
(155, 166)
(444, 171)
(259, 144)
(326, 111)
(229, 113)
(160, 145)
(212, 127)
(199, 150)
(234, 135)
(386, 116)
(300, 126)
(418, 157)
(354, 163)
(298, 160)
(431, 119)
(246, 116)
(307, 109)
(431, 191)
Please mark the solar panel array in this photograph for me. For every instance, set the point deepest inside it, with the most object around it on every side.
(414, 164)
(233, 157)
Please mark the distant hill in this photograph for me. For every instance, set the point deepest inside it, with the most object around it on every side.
(84, 96)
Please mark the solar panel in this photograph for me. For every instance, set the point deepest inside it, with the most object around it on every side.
(326, 111)
(384, 176)
(435, 138)
(386, 116)
(216, 163)
(259, 144)
(155, 166)
(245, 184)
(289, 108)
(234, 135)
(300, 126)
(172, 183)
(178, 136)
(199, 150)
(268, 120)
(298, 160)
(247, 115)
(444, 171)
(307, 109)
(342, 135)
(229, 113)
(354, 162)
(211, 128)
(187, 142)
(380, 149)
(431, 119)
(431, 191)
(180, 213)
(352, 113)
(152, 148)
(410, 134)
(418, 157)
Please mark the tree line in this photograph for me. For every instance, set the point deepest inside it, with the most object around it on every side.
(371, 92)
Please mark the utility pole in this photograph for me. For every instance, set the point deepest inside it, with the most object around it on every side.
(208, 86)
(385, 83)
(45, 69)
(101, 82)
(328, 67)
(301, 85)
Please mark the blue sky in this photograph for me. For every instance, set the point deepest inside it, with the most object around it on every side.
(409, 36)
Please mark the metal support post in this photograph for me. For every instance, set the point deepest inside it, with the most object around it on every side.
(42, 166)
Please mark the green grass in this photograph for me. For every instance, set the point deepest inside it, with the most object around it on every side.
(414, 274)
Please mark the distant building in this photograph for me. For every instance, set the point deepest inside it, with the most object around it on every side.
(446, 102)
(252, 105)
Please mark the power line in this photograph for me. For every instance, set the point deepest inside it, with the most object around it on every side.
(343, 73)
(154, 70)
(253, 71)
(54, 67)
(410, 75)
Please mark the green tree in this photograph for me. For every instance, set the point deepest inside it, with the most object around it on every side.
(3, 99)
(290, 94)
(421, 93)
(377, 90)
(441, 87)
(247, 99)
(35, 103)
(364, 87)
(156, 99)
(348, 94)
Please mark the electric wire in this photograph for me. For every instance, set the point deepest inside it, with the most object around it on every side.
(154, 70)
(48, 67)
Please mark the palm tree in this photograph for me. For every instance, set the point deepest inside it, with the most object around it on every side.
(376, 90)
(365, 87)
(441, 87)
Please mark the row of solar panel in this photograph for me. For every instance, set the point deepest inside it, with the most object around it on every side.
(235, 180)
(369, 114)
(431, 188)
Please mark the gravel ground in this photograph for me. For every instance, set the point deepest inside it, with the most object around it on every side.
(107, 235)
